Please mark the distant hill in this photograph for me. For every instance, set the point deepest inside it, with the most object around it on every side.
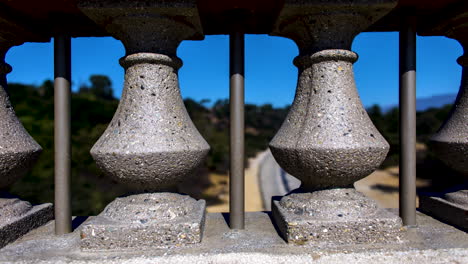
(424, 103)
(436, 101)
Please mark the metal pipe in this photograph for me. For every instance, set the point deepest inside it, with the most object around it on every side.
(407, 166)
(236, 103)
(62, 145)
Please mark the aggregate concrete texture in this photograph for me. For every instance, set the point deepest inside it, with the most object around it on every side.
(151, 143)
(18, 217)
(327, 139)
(146, 26)
(430, 242)
(316, 25)
(451, 141)
(335, 216)
(146, 221)
(18, 150)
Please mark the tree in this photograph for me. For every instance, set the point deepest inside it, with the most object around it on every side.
(101, 87)
(47, 89)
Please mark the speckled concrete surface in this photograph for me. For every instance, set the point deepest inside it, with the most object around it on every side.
(145, 221)
(151, 143)
(18, 150)
(18, 217)
(430, 242)
(335, 216)
(451, 142)
(317, 25)
(147, 26)
(328, 140)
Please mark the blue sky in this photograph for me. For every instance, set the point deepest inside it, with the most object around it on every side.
(270, 75)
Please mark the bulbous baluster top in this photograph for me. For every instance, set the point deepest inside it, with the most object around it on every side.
(327, 139)
(151, 142)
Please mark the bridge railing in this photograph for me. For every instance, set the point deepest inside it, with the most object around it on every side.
(327, 139)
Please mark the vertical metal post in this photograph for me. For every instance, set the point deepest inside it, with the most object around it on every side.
(408, 120)
(236, 97)
(62, 146)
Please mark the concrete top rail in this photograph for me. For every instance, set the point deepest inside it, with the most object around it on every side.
(53, 17)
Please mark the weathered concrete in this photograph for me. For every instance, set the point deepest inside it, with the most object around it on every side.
(146, 26)
(145, 221)
(451, 208)
(151, 144)
(430, 242)
(451, 141)
(18, 217)
(317, 25)
(18, 150)
(335, 216)
(327, 139)
(68, 18)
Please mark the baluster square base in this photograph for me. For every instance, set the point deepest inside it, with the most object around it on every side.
(145, 221)
(18, 217)
(335, 216)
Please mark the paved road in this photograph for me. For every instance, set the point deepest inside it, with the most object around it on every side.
(274, 181)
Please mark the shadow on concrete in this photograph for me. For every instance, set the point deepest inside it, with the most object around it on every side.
(226, 218)
(385, 188)
(270, 214)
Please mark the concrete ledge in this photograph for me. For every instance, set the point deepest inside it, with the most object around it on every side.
(431, 242)
(16, 227)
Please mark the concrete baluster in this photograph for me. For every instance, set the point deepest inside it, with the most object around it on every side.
(18, 152)
(450, 143)
(327, 140)
(151, 143)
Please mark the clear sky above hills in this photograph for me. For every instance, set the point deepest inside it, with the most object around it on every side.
(270, 75)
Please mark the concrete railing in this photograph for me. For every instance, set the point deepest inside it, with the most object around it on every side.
(327, 140)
